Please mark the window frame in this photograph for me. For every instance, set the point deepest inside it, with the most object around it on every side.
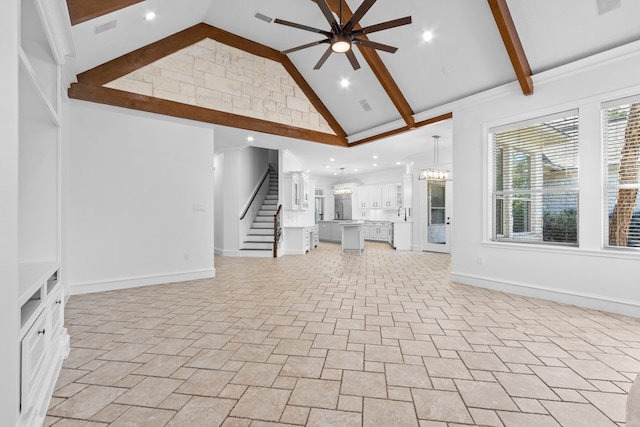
(606, 185)
(494, 195)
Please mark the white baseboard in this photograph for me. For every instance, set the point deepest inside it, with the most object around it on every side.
(597, 302)
(134, 282)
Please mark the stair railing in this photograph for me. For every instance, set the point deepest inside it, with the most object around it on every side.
(255, 192)
(277, 231)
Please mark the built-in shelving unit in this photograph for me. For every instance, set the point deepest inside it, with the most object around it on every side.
(44, 31)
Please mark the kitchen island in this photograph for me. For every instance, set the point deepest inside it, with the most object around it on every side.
(352, 236)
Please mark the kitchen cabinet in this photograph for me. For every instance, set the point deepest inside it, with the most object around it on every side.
(379, 231)
(296, 191)
(402, 236)
(329, 231)
(300, 240)
(375, 197)
(407, 191)
(364, 197)
(304, 188)
(389, 197)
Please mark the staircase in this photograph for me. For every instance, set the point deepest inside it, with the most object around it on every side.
(259, 241)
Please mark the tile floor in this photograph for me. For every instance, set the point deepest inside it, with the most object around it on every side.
(329, 340)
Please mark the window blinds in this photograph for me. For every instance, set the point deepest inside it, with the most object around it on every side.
(535, 180)
(621, 145)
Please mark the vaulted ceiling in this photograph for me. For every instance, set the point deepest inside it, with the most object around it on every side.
(477, 45)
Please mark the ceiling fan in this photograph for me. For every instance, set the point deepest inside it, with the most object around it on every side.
(342, 36)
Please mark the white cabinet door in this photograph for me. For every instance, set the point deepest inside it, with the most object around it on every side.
(363, 197)
(304, 188)
(383, 232)
(375, 197)
(389, 197)
(34, 348)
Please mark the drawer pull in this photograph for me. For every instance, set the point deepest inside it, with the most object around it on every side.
(41, 331)
(59, 301)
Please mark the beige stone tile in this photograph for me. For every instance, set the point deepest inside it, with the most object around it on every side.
(261, 403)
(293, 347)
(110, 373)
(514, 419)
(378, 412)
(209, 359)
(437, 405)
(483, 361)
(446, 368)
(546, 349)
(561, 377)
(337, 359)
(174, 401)
(125, 352)
(331, 342)
(253, 353)
(233, 391)
(257, 374)
(418, 348)
(451, 343)
(515, 355)
(368, 384)
(519, 385)
(382, 353)
(485, 417)
(407, 376)
(594, 370)
(88, 402)
(365, 337)
(150, 392)
(303, 367)
(530, 405)
(161, 365)
(205, 382)
(577, 414)
(78, 423)
(69, 390)
(485, 395)
(324, 418)
(202, 411)
(350, 403)
(613, 405)
(295, 415)
(214, 341)
(110, 413)
(315, 393)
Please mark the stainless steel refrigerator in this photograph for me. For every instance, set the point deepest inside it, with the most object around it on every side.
(343, 207)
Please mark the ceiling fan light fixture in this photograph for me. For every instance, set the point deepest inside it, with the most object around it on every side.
(340, 44)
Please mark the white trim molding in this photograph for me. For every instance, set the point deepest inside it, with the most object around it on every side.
(597, 302)
(133, 282)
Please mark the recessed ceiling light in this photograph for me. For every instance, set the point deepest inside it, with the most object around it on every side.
(308, 171)
(427, 36)
(332, 160)
(326, 166)
(374, 165)
(355, 170)
(150, 16)
(345, 83)
(335, 173)
(375, 157)
(398, 163)
(250, 138)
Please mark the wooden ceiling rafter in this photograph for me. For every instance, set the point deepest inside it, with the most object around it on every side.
(429, 121)
(84, 10)
(379, 69)
(512, 43)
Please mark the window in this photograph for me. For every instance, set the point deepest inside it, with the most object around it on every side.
(621, 143)
(535, 180)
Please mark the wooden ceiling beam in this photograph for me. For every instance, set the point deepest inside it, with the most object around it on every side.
(512, 43)
(429, 121)
(379, 69)
(84, 10)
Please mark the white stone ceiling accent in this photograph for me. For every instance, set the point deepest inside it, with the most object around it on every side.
(213, 75)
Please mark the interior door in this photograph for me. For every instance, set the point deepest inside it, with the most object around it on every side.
(436, 235)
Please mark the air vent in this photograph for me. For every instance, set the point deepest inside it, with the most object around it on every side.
(262, 17)
(605, 6)
(365, 105)
(105, 27)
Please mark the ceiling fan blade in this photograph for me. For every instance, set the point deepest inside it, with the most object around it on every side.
(304, 46)
(352, 58)
(383, 26)
(326, 10)
(375, 45)
(302, 27)
(324, 58)
(358, 14)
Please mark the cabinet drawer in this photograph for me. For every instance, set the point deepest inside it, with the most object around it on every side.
(33, 349)
(56, 309)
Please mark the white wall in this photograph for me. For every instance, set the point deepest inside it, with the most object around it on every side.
(140, 199)
(588, 275)
(9, 310)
